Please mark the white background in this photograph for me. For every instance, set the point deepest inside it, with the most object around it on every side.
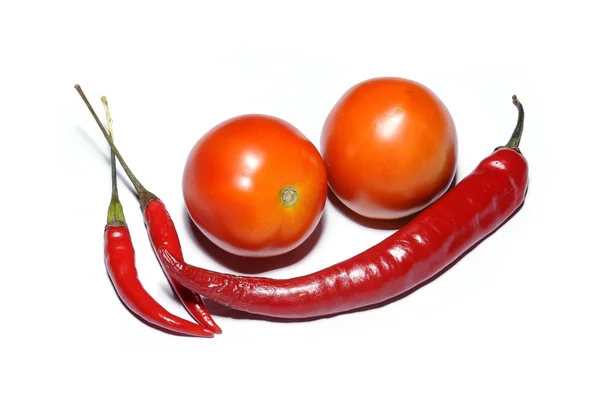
(517, 317)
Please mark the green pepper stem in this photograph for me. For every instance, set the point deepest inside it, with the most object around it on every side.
(116, 216)
(144, 196)
(111, 133)
(515, 138)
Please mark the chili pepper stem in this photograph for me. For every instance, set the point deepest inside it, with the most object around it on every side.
(515, 138)
(144, 196)
(116, 216)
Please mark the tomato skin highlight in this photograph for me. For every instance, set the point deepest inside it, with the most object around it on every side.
(390, 148)
(255, 186)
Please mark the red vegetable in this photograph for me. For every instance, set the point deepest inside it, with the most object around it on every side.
(390, 148)
(255, 186)
(162, 233)
(119, 256)
(435, 238)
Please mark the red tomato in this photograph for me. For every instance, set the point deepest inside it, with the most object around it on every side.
(255, 186)
(390, 148)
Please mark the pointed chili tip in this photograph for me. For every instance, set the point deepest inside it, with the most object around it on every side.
(205, 333)
(216, 329)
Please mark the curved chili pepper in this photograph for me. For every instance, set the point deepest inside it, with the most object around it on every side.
(119, 257)
(120, 262)
(434, 239)
(162, 233)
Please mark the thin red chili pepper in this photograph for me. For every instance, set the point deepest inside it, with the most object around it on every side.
(434, 239)
(162, 233)
(119, 257)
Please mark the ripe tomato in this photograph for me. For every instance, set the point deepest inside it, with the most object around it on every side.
(390, 148)
(255, 186)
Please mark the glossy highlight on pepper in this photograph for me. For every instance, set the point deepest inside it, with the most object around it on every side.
(434, 239)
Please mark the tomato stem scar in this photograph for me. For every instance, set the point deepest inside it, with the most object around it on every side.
(288, 196)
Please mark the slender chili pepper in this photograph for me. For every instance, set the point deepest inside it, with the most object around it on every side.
(119, 256)
(162, 233)
(434, 239)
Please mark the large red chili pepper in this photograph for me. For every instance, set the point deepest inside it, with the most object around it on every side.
(162, 233)
(434, 239)
(119, 256)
